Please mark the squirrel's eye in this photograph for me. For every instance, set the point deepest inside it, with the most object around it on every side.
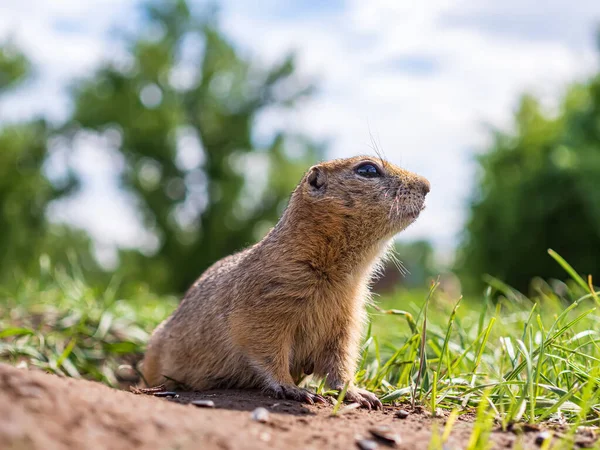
(368, 170)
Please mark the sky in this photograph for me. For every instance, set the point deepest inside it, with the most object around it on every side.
(426, 79)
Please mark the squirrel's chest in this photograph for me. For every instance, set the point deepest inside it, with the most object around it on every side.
(331, 314)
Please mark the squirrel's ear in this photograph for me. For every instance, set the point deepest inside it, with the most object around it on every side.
(316, 179)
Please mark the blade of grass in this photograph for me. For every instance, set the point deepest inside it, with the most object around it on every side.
(569, 269)
(422, 355)
(340, 399)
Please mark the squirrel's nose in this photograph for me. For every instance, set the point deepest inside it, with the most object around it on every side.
(423, 186)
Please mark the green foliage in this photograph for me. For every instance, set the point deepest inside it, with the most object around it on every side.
(224, 200)
(60, 324)
(517, 359)
(539, 189)
(204, 182)
(25, 192)
(418, 259)
(14, 67)
(410, 265)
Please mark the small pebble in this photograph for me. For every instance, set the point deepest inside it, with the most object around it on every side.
(402, 414)
(349, 408)
(203, 403)
(166, 394)
(125, 372)
(386, 434)
(366, 444)
(22, 365)
(542, 437)
(260, 415)
(531, 427)
(264, 436)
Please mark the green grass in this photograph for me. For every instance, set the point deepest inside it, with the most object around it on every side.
(502, 356)
(60, 324)
(508, 357)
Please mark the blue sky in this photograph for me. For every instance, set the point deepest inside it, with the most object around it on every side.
(425, 78)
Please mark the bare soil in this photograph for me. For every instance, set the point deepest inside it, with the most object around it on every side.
(41, 411)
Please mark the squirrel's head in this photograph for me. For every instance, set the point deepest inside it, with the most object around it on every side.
(363, 194)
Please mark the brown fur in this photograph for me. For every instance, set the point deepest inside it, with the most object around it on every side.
(294, 302)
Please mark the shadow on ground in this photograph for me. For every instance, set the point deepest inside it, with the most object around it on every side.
(244, 400)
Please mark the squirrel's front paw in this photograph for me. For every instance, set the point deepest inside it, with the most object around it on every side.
(292, 392)
(364, 398)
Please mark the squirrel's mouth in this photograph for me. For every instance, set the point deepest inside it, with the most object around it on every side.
(414, 212)
(407, 213)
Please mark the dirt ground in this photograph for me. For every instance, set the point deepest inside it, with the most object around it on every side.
(41, 411)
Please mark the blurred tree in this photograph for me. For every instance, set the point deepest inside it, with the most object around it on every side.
(411, 264)
(183, 106)
(25, 192)
(14, 67)
(538, 190)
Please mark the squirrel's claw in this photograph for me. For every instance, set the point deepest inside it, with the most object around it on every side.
(298, 394)
(364, 398)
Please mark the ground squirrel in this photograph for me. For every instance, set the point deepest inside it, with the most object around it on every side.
(293, 303)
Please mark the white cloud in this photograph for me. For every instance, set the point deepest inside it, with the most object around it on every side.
(554, 20)
(422, 76)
